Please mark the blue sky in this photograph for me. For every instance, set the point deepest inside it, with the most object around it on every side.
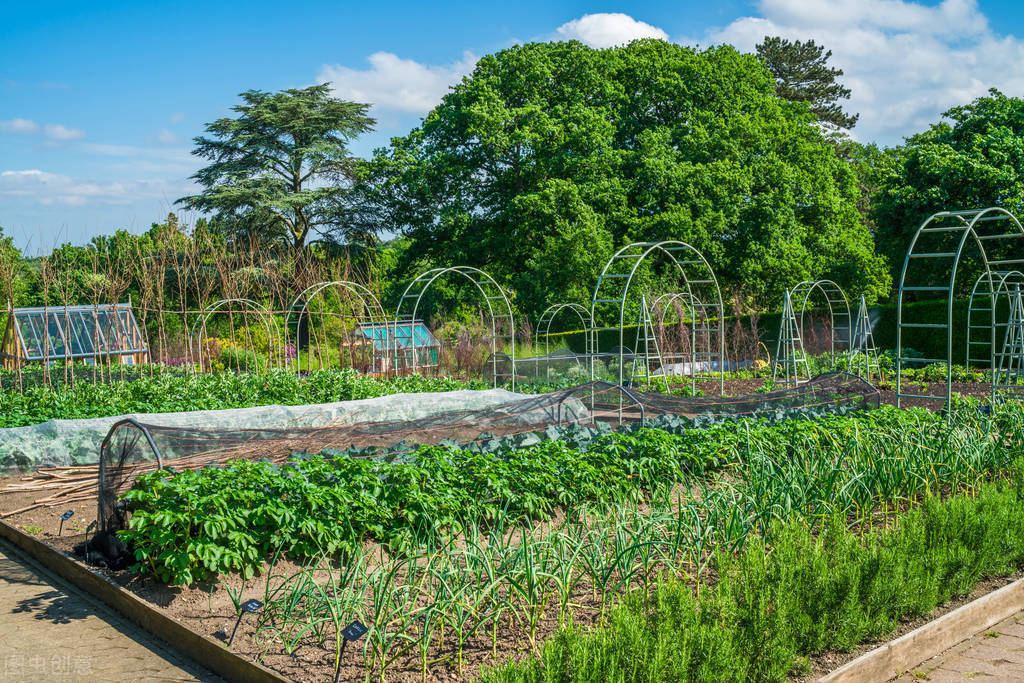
(99, 102)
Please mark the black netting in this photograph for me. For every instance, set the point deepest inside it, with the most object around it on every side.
(126, 453)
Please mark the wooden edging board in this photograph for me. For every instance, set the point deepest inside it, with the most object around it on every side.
(906, 652)
(206, 651)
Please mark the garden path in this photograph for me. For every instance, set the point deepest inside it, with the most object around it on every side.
(49, 632)
(997, 654)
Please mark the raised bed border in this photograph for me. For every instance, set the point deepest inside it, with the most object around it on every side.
(928, 640)
(206, 651)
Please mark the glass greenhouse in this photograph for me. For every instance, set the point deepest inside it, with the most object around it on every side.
(411, 337)
(85, 333)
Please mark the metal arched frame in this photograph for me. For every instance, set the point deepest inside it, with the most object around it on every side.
(989, 229)
(544, 328)
(613, 285)
(248, 307)
(300, 308)
(835, 298)
(492, 293)
(983, 301)
(697, 311)
(549, 315)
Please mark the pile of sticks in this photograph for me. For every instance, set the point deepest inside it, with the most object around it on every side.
(56, 486)
(73, 484)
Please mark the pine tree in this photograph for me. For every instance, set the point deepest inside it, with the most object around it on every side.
(802, 75)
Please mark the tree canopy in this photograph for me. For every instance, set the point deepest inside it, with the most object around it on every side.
(802, 74)
(281, 168)
(551, 155)
(975, 159)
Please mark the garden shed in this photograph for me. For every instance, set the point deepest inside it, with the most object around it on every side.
(72, 333)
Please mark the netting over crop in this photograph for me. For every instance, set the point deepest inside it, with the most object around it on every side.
(132, 447)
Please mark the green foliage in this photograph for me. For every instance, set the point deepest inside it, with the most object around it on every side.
(186, 526)
(550, 155)
(974, 160)
(806, 592)
(177, 392)
(189, 525)
(802, 75)
(280, 167)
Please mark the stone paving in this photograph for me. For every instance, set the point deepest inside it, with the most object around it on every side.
(997, 654)
(49, 632)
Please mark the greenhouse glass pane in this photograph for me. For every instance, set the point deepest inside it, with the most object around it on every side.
(58, 348)
(131, 329)
(423, 336)
(83, 325)
(30, 335)
(112, 337)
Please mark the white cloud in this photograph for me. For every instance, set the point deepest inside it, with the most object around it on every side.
(177, 117)
(905, 62)
(45, 188)
(56, 131)
(175, 154)
(166, 137)
(19, 126)
(396, 84)
(608, 30)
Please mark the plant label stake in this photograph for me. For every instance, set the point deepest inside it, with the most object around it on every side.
(247, 607)
(63, 518)
(350, 633)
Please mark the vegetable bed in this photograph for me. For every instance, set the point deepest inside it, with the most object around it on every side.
(791, 536)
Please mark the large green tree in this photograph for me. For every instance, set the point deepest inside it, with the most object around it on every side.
(974, 159)
(281, 167)
(551, 155)
(802, 74)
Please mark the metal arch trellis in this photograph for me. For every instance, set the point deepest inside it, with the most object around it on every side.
(942, 236)
(549, 315)
(491, 292)
(248, 306)
(300, 308)
(544, 328)
(838, 307)
(613, 284)
(985, 302)
(700, 326)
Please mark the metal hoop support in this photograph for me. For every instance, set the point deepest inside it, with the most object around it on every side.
(544, 328)
(838, 307)
(985, 304)
(549, 315)
(612, 290)
(493, 295)
(300, 309)
(248, 306)
(700, 326)
(940, 239)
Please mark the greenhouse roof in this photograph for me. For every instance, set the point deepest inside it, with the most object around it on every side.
(419, 336)
(75, 332)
